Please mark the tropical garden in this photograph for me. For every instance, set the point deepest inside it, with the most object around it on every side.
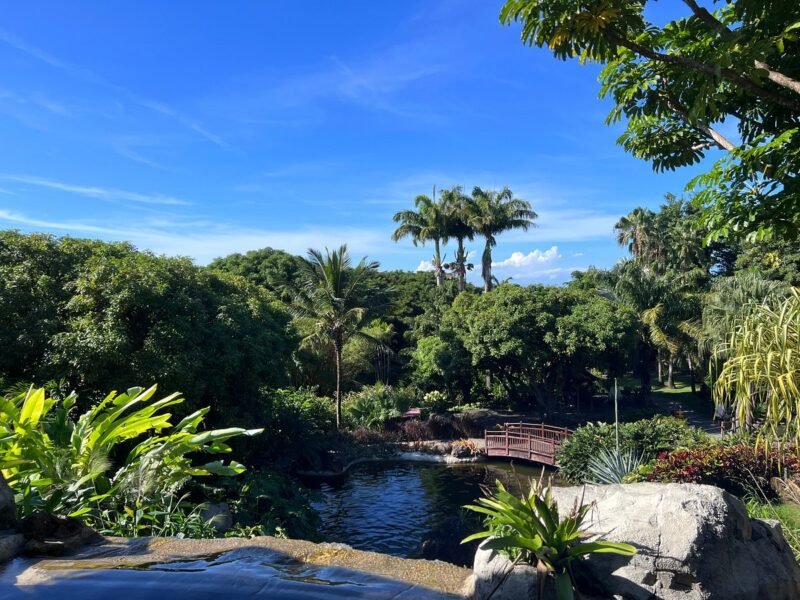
(259, 350)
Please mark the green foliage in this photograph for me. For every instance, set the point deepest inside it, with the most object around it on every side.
(167, 517)
(86, 466)
(373, 406)
(442, 364)
(329, 304)
(609, 466)
(532, 529)
(288, 415)
(646, 438)
(269, 503)
(762, 366)
(436, 402)
(490, 213)
(100, 315)
(675, 84)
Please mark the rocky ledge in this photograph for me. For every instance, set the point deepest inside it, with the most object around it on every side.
(694, 542)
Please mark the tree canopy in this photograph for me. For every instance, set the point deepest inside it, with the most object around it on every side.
(723, 84)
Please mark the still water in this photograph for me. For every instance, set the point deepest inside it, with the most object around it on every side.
(393, 507)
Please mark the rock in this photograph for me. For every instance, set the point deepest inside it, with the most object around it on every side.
(52, 535)
(219, 515)
(496, 577)
(8, 513)
(10, 545)
(694, 542)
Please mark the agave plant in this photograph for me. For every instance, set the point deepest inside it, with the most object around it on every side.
(531, 529)
(612, 465)
(64, 464)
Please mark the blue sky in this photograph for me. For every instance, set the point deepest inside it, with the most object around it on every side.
(205, 128)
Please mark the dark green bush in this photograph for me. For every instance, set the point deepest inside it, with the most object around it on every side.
(648, 437)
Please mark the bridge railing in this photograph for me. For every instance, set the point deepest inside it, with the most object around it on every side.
(537, 442)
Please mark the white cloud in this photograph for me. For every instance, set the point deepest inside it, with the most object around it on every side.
(518, 260)
(424, 266)
(100, 193)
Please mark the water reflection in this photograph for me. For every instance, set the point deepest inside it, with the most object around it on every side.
(392, 507)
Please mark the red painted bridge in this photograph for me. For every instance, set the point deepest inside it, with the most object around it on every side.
(536, 442)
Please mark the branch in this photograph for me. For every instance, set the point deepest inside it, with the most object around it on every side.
(692, 63)
(728, 35)
(673, 102)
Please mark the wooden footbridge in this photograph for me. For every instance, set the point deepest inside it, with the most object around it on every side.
(536, 442)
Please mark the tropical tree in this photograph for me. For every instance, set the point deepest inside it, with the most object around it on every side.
(680, 84)
(762, 366)
(636, 231)
(428, 223)
(490, 214)
(329, 305)
(457, 207)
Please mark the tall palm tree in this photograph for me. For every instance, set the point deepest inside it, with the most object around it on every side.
(426, 224)
(491, 213)
(637, 232)
(328, 304)
(457, 206)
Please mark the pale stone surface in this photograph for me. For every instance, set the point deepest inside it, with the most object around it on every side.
(694, 542)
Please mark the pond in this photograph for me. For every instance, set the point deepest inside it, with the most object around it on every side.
(411, 509)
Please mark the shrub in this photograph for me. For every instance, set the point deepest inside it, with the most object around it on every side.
(646, 437)
(288, 415)
(465, 449)
(67, 465)
(436, 401)
(738, 469)
(373, 405)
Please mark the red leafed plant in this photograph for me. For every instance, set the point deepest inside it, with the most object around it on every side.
(736, 469)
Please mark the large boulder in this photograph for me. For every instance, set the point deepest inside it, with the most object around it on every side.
(8, 513)
(694, 542)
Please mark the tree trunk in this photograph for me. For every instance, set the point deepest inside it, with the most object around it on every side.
(670, 375)
(461, 266)
(660, 372)
(437, 266)
(486, 267)
(691, 374)
(337, 350)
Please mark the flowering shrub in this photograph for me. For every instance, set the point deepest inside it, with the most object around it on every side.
(737, 469)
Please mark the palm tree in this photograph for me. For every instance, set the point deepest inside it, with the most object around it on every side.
(491, 213)
(637, 232)
(427, 223)
(328, 304)
(457, 206)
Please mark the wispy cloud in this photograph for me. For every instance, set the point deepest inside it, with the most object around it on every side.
(101, 193)
(87, 75)
(205, 241)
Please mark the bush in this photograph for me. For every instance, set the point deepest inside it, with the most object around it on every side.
(436, 402)
(374, 405)
(738, 469)
(288, 415)
(88, 467)
(646, 437)
(438, 427)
